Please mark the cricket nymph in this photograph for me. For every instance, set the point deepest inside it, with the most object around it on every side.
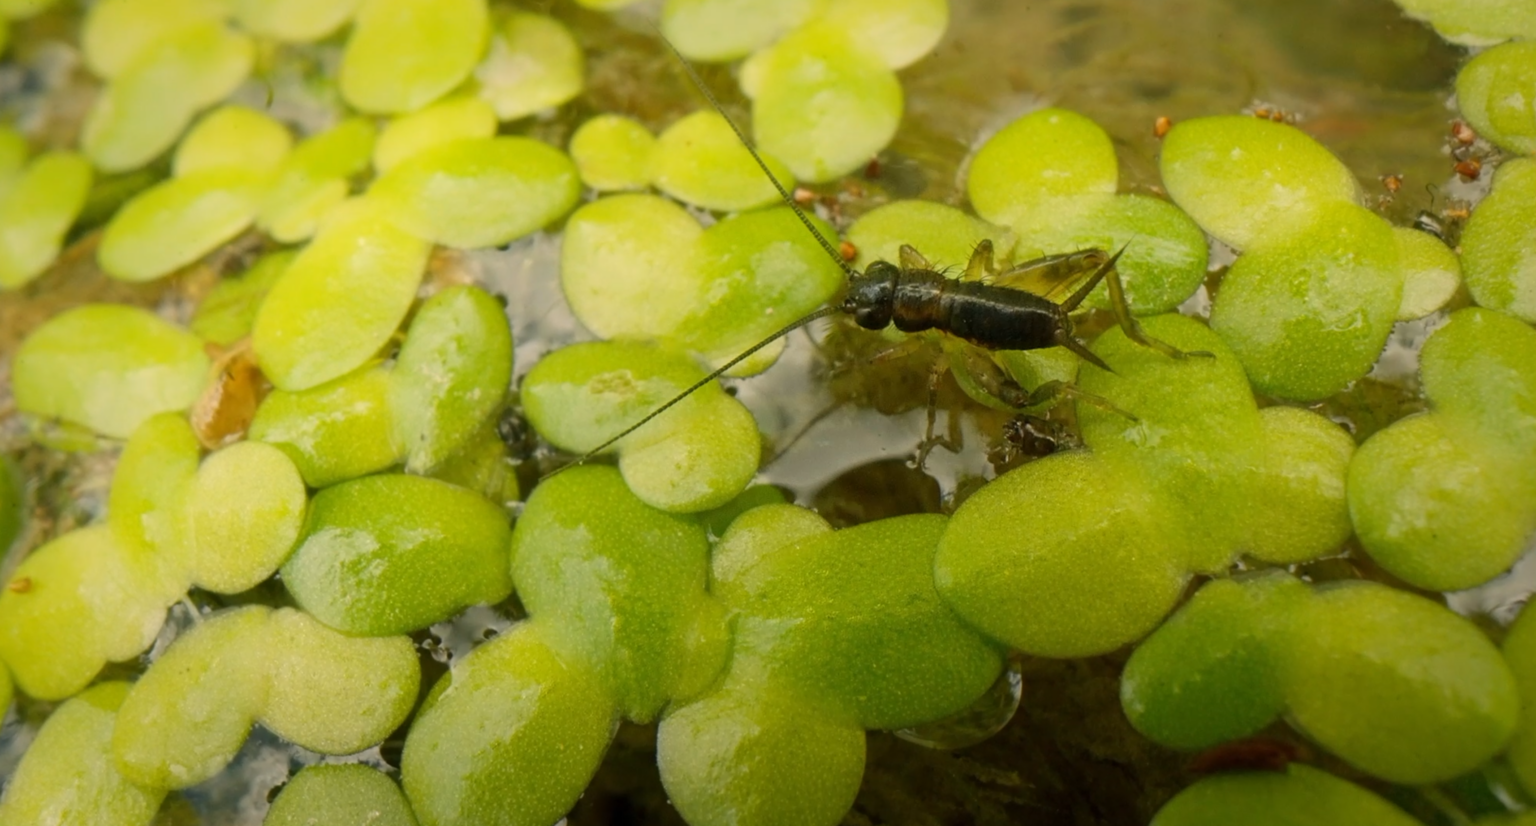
(914, 300)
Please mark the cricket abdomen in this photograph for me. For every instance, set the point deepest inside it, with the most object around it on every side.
(996, 318)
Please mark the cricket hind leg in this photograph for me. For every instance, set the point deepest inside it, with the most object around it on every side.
(1110, 275)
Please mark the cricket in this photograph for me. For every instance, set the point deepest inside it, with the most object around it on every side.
(1026, 307)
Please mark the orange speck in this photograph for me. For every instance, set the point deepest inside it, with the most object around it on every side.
(20, 585)
(847, 250)
(1161, 126)
(1469, 169)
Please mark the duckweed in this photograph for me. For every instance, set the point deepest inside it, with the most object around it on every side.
(1497, 244)
(694, 457)
(1444, 500)
(37, 207)
(107, 367)
(392, 553)
(404, 54)
(340, 794)
(533, 65)
(1197, 477)
(1299, 794)
(68, 774)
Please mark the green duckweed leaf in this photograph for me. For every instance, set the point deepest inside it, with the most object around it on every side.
(67, 774)
(484, 465)
(533, 64)
(651, 238)
(902, 31)
(942, 234)
(313, 180)
(756, 753)
(75, 604)
(1158, 497)
(152, 474)
(1211, 673)
(240, 517)
(1520, 653)
(883, 647)
(294, 21)
(857, 102)
(1431, 273)
(613, 152)
(147, 105)
(714, 31)
(179, 221)
(340, 300)
(715, 292)
(107, 367)
(613, 583)
(191, 711)
(1397, 685)
(1308, 312)
(350, 794)
(698, 455)
(1111, 549)
(510, 737)
(451, 375)
(1246, 180)
(1495, 90)
(700, 160)
(37, 208)
(404, 54)
(1299, 794)
(479, 193)
(324, 691)
(1475, 23)
(1497, 244)
(233, 136)
(391, 553)
(1444, 499)
(335, 431)
(116, 32)
(450, 119)
(334, 693)
(1019, 174)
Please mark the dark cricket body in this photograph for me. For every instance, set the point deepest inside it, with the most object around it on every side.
(992, 317)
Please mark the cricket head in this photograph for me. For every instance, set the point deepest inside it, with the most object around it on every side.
(872, 295)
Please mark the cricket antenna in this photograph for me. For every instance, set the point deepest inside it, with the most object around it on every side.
(789, 201)
(719, 371)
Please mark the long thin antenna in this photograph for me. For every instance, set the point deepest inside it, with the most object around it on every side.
(789, 201)
(719, 371)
